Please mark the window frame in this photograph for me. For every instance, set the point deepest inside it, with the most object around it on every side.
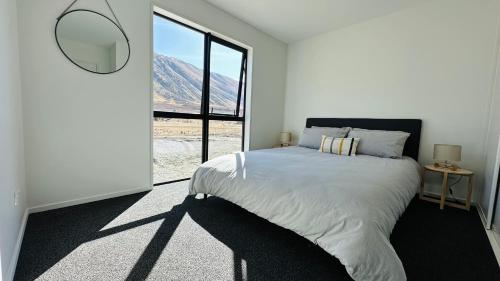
(205, 114)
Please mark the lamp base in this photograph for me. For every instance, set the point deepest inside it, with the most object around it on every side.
(446, 165)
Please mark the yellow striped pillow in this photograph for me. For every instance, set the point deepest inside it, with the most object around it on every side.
(340, 146)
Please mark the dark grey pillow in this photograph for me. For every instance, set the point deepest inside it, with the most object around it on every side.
(311, 137)
(387, 144)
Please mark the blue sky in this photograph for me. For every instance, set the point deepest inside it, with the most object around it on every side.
(177, 41)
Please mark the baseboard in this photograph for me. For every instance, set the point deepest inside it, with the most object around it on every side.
(482, 214)
(494, 233)
(17, 247)
(490, 234)
(84, 200)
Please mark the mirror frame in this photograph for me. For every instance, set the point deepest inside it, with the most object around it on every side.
(73, 62)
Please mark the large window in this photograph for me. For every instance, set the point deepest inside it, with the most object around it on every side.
(199, 98)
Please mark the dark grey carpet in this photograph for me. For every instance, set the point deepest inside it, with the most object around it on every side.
(164, 235)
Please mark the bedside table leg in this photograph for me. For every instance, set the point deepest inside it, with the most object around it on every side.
(469, 194)
(444, 190)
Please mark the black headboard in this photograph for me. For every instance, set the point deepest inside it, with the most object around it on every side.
(411, 126)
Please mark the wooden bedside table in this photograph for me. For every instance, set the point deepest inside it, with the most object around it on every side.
(444, 188)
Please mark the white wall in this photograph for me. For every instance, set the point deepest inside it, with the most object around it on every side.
(434, 61)
(89, 134)
(11, 140)
(86, 134)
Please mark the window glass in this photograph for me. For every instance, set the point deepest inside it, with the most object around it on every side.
(177, 67)
(225, 137)
(225, 69)
(176, 148)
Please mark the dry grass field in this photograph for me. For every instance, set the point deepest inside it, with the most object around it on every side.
(171, 128)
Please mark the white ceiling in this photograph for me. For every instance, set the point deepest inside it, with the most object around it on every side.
(293, 20)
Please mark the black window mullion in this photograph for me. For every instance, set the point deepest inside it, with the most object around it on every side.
(246, 85)
(205, 94)
(226, 118)
(177, 115)
(240, 85)
(244, 102)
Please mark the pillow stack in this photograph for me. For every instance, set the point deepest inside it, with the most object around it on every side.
(347, 141)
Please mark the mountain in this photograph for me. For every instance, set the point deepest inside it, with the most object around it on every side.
(177, 87)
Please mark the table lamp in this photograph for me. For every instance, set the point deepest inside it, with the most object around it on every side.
(285, 138)
(446, 154)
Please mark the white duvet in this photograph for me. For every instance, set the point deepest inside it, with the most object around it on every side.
(346, 205)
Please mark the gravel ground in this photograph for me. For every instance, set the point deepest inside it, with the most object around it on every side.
(178, 157)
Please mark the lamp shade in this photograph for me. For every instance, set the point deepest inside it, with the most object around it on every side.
(285, 137)
(448, 152)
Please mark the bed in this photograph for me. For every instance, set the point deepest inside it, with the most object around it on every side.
(346, 205)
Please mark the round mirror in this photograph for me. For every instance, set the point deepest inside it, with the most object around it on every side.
(92, 41)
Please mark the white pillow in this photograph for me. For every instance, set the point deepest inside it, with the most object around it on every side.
(311, 137)
(386, 144)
